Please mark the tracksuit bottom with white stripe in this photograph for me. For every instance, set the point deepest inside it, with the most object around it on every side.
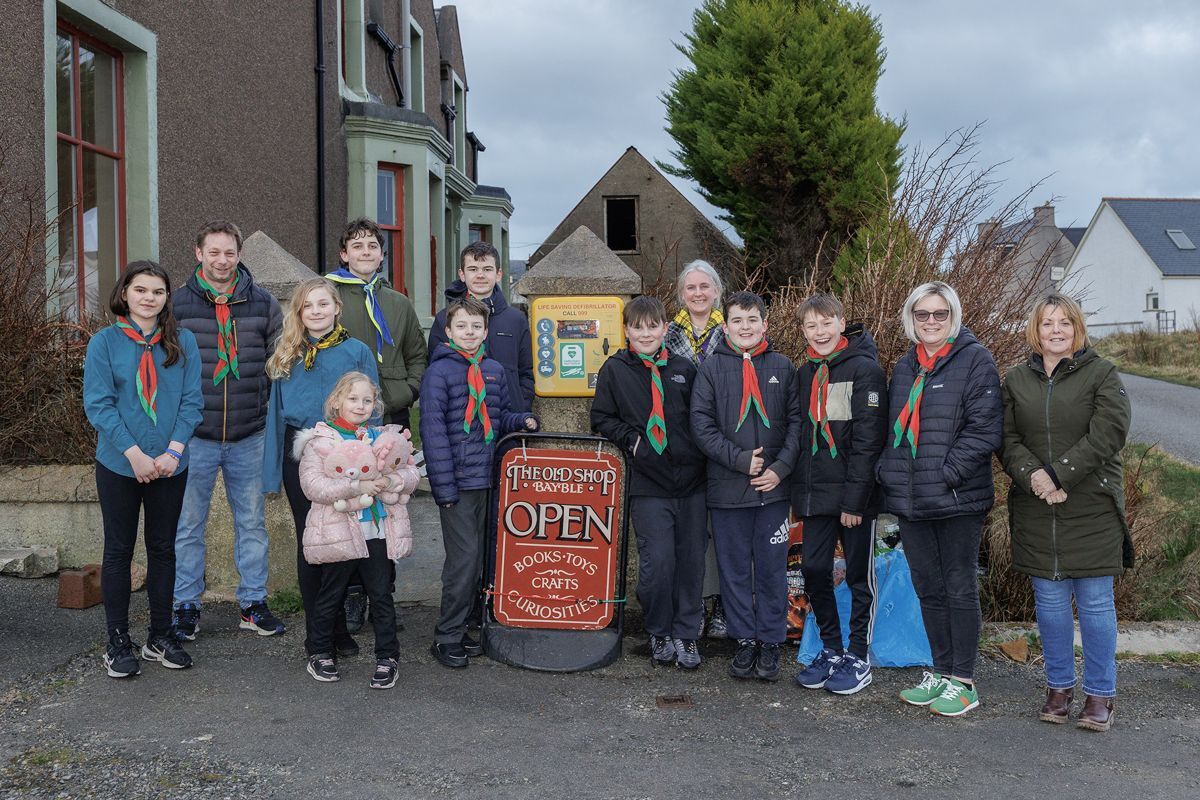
(752, 546)
(821, 535)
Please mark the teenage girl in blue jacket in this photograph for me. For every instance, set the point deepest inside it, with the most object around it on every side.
(141, 392)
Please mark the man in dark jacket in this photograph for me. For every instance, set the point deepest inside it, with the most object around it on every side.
(643, 396)
(833, 486)
(746, 419)
(235, 323)
(508, 341)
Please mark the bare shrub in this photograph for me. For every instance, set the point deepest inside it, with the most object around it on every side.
(41, 396)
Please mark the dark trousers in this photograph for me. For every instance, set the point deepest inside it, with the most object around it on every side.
(821, 535)
(462, 572)
(308, 576)
(752, 546)
(943, 555)
(376, 574)
(672, 535)
(122, 499)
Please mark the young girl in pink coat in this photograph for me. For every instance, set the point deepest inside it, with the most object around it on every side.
(358, 478)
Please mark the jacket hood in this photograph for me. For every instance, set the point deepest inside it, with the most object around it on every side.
(965, 338)
(443, 351)
(1077, 360)
(496, 303)
(245, 282)
(306, 436)
(723, 348)
(860, 344)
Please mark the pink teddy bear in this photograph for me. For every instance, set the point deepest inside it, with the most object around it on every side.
(354, 460)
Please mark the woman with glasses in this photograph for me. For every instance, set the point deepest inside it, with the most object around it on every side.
(945, 417)
(1066, 416)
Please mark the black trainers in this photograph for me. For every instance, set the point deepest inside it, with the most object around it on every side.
(451, 655)
(323, 668)
(356, 609)
(767, 666)
(344, 645)
(167, 651)
(386, 672)
(187, 621)
(744, 659)
(471, 646)
(258, 618)
(119, 658)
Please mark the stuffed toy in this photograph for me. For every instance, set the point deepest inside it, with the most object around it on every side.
(353, 460)
(392, 451)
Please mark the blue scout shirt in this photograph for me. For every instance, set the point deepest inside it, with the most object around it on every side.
(112, 405)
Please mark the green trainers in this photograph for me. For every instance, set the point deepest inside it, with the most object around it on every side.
(925, 692)
(956, 699)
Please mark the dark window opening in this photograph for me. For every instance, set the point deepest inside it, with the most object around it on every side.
(621, 224)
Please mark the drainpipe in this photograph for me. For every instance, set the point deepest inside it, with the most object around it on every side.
(449, 113)
(476, 148)
(319, 69)
(391, 47)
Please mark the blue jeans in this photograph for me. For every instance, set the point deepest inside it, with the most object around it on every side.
(1097, 628)
(241, 465)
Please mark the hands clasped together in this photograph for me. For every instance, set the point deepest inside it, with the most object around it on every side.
(1043, 486)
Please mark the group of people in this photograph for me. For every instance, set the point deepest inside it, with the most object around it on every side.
(725, 436)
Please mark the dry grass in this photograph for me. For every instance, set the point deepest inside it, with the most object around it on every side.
(1173, 357)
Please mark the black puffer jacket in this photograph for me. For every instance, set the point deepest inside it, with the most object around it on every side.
(619, 413)
(237, 407)
(715, 404)
(824, 486)
(962, 420)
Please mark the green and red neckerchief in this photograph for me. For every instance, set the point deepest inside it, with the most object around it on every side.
(656, 425)
(348, 430)
(818, 398)
(476, 391)
(751, 394)
(227, 360)
(910, 416)
(331, 339)
(147, 375)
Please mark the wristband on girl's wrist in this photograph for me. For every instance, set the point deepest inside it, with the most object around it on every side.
(178, 456)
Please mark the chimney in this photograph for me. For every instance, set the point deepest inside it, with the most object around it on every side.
(1043, 216)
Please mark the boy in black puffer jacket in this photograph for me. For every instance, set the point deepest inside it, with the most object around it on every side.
(844, 390)
(642, 404)
(464, 411)
(746, 419)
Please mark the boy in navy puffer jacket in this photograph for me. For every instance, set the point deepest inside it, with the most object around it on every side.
(464, 410)
(746, 420)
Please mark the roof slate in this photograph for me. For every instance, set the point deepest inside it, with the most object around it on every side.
(1148, 219)
(1074, 235)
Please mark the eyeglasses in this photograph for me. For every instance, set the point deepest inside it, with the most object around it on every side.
(941, 315)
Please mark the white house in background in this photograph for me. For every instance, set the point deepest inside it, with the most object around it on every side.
(1138, 265)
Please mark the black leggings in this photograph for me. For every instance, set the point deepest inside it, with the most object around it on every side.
(307, 575)
(121, 502)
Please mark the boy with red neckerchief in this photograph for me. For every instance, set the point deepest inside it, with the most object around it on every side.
(843, 388)
(643, 395)
(464, 411)
(746, 419)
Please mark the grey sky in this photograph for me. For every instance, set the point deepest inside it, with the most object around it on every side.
(1099, 96)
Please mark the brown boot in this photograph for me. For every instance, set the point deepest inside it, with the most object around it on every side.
(1057, 707)
(1097, 714)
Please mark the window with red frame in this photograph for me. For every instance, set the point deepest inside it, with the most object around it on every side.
(389, 214)
(91, 171)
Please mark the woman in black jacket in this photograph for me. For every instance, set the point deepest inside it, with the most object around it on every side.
(945, 421)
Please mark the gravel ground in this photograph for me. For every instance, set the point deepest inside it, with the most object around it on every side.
(247, 721)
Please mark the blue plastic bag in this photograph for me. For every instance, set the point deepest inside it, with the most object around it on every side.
(899, 637)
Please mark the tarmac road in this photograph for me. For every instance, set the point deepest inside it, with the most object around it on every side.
(247, 721)
(1165, 414)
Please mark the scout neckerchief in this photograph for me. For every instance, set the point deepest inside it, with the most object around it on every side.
(684, 320)
(656, 425)
(147, 377)
(476, 391)
(331, 339)
(227, 360)
(751, 395)
(374, 310)
(910, 415)
(348, 430)
(818, 398)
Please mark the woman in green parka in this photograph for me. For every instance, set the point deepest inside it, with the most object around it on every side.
(1066, 416)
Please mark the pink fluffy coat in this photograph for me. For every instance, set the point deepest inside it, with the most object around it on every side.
(331, 535)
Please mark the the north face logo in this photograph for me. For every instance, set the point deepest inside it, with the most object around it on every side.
(773, 380)
(679, 379)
